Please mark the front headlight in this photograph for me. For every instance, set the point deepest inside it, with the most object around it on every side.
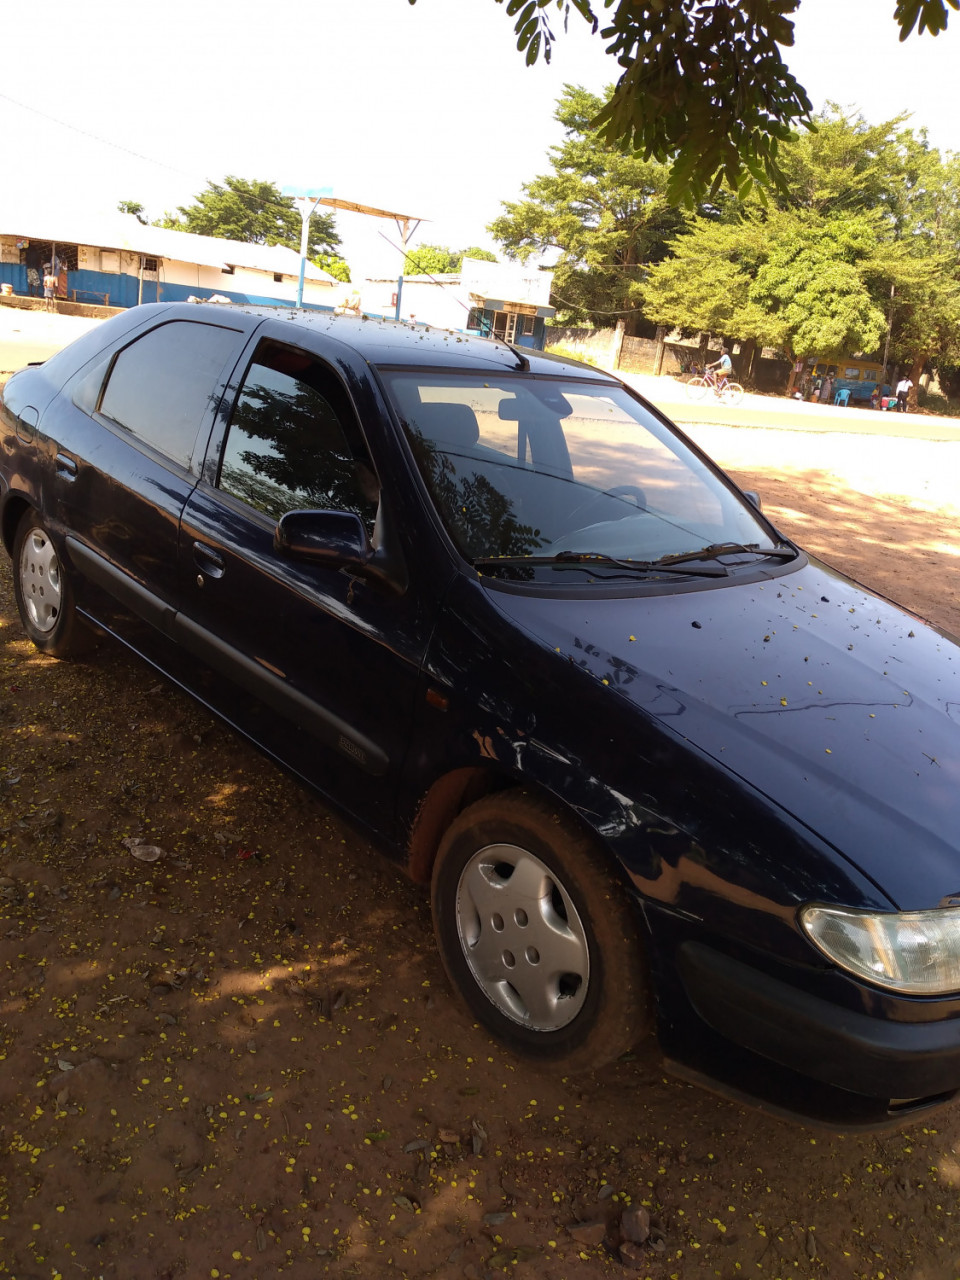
(916, 952)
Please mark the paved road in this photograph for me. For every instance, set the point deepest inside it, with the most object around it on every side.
(26, 336)
(669, 394)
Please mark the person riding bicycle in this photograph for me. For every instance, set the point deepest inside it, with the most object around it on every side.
(724, 365)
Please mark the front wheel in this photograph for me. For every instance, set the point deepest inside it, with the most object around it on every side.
(537, 935)
(732, 394)
(44, 593)
(697, 387)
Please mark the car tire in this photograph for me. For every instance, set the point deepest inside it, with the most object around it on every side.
(44, 593)
(537, 935)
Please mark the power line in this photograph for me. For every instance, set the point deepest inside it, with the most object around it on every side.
(161, 164)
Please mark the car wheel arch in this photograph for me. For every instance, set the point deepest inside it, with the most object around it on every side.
(450, 794)
(15, 508)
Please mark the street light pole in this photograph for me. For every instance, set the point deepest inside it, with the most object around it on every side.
(305, 240)
(301, 197)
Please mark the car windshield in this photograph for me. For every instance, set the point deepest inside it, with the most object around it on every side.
(532, 475)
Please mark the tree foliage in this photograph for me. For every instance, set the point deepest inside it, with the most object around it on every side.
(438, 260)
(253, 211)
(333, 265)
(703, 84)
(134, 208)
(869, 238)
(608, 214)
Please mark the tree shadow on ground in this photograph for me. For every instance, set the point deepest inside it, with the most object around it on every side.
(910, 555)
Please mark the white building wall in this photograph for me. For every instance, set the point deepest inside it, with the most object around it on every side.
(443, 305)
(260, 284)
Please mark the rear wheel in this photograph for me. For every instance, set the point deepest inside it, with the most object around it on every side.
(732, 394)
(697, 387)
(537, 935)
(44, 593)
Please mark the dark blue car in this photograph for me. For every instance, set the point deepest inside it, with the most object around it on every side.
(662, 771)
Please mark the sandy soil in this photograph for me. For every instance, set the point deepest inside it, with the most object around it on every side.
(241, 1059)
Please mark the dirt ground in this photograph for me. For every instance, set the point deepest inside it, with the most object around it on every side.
(241, 1059)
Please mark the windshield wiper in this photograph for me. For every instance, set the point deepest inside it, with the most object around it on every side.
(584, 559)
(717, 549)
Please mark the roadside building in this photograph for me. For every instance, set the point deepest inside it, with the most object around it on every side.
(114, 260)
(493, 299)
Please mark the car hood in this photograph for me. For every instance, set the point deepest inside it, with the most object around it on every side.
(839, 706)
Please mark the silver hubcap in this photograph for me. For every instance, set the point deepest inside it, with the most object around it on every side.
(40, 580)
(522, 937)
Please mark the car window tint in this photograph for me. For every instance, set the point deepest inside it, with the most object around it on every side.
(293, 444)
(162, 385)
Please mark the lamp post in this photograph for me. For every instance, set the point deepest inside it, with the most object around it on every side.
(306, 200)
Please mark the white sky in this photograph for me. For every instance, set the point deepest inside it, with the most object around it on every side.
(428, 110)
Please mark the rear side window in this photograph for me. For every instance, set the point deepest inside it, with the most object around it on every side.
(162, 385)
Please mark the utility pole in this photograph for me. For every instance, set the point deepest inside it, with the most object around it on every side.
(407, 227)
(306, 202)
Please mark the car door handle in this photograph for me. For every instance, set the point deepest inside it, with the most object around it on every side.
(66, 466)
(208, 561)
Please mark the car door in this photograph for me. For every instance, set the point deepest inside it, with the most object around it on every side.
(332, 660)
(130, 433)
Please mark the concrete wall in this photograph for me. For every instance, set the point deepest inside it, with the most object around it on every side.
(637, 355)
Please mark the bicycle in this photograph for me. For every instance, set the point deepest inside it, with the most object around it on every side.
(729, 393)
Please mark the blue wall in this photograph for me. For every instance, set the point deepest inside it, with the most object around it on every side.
(13, 273)
(124, 290)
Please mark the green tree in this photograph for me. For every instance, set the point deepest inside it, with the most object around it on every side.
(921, 265)
(333, 265)
(608, 215)
(253, 211)
(874, 209)
(704, 85)
(790, 280)
(133, 207)
(812, 295)
(438, 260)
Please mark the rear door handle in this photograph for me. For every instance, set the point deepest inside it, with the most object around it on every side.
(66, 466)
(208, 561)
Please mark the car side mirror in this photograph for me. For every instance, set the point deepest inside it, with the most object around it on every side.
(336, 539)
(752, 496)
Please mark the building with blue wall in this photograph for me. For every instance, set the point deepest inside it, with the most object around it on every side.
(505, 300)
(114, 260)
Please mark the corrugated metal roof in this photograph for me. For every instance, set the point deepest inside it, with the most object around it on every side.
(124, 231)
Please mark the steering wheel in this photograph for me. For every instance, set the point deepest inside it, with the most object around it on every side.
(618, 491)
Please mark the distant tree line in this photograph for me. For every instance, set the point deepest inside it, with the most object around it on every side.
(862, 242)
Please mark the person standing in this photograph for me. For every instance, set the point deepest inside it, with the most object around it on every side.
(904, 387)
(49, 281)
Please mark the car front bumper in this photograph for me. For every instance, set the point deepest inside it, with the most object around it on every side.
(896, 1059)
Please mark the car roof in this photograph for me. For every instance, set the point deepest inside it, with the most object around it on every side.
(393, 342)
